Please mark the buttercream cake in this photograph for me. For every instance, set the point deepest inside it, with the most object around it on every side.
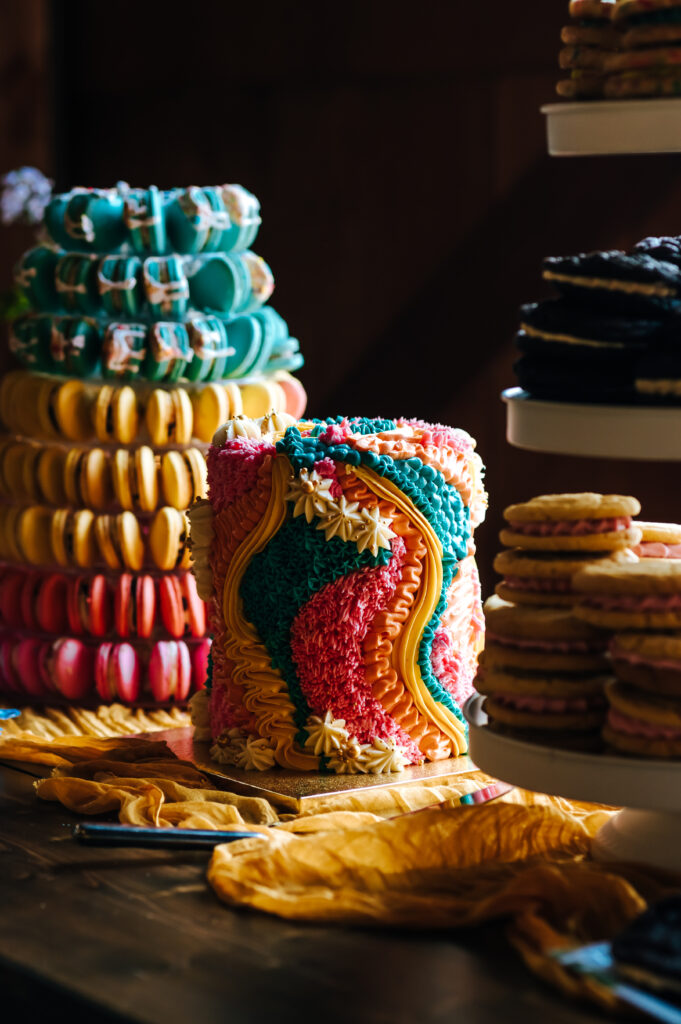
(337, 558)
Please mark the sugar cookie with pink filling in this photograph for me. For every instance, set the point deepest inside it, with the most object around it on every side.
(645, 595)
(545, 577)
(658, 540)
(642, 723)
(572, 522)
(650, 661)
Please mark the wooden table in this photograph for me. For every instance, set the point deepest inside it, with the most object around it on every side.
(96, 935)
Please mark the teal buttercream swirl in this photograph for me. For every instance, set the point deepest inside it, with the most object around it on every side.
(360, 424)
(437, 500)
(296, 563)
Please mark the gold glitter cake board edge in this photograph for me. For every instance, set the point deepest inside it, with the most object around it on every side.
(300, 790)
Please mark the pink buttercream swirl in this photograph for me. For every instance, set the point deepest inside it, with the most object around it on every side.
(337, 433)
(571, 527)
(620, 722)
(656, 549)
(233, 469)
(550, 705)
(633, 602)
(327, 468)
(540, 584)
(550, 646)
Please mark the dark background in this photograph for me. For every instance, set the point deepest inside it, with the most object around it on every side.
(399, 155)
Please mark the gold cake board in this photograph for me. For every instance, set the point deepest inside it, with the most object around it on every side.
(301, 791)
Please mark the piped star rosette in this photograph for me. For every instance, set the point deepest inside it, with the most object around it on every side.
(338, 559)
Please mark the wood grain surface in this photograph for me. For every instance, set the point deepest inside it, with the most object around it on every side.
(106, 935)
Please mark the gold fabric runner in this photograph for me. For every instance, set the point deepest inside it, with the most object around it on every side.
(409, 857)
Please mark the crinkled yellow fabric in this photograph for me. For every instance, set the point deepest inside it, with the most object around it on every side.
(106, 720)
(405, 856)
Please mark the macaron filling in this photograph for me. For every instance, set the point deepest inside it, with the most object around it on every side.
(572, 527)
(540, 584)
(634, 658)
(619, 722)
(657, 549)
(633, 602)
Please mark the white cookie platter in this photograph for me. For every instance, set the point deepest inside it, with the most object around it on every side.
(644, 432)
(610, 127)
(647, 831)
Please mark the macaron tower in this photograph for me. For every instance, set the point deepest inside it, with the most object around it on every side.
(345, 603)
(544, 671)
(148, 327)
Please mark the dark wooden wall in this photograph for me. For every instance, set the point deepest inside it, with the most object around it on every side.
(400, 158)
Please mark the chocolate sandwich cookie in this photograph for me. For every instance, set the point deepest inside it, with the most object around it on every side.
(545, 577)
(645, 595)
(582, 85)
(648, 951)
(572, 522)
(648, 661)
(587, 40)
(638, 84)
(642, 723)
(657, 25)
(569, 328)
(657, 376)
(661, 247)
(575, 380)
(616, 282)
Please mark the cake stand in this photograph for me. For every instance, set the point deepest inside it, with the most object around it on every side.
(651, 432)
(608, 127)
(648, 831)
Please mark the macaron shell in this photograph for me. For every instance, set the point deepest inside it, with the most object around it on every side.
(29, 474)
(34, 534)
(199, 658)
(177, 483)
(195, 607)
(72, 668)
(102, 413)
(165, 538)
(72, 410)
(145, 603)
(104, 683)
(50, 475)
(96, 479)
(26, 660)
(172, 611)
(158, 416)
(147, 478)
(183, 416)
(261, 397)
(10, 598)
(84, 546)
(170, 671)
(294, 392)
(11, 516)
(233, 392)
(71, 479)
(28, 598)
(51, 603)
(8, 673)
(122, 598)
(125, 672)
(211, 408)
(130, 540)
(125, 414)
(104, 528)
(120, 473)
(196, 464)
(99, 606)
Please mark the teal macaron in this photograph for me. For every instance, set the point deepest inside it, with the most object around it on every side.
(166, 286)
(93, 220)
(196, 220)
(124, 350)
(76, 282)
(144, 218)
(244, 334)
(219, 283)
(34, 275)
(244, 215)
(168, 351)
(29, 341)
(285, 355)
(210, 348)
(119, 281)
(262, 282)
(74, 346)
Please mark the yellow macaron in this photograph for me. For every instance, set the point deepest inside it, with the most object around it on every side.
(262, 396)
(95, 479)
(33, 534)
(211, 406)
(50, 475)
(70, 403)
(168, 538)
(184, 477)
(72, 537)
(169, 417)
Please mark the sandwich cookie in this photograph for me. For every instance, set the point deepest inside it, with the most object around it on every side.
(134, 605)
(220, 283)
(170, 671)
(658, 540)
(88, 605)
(616, 282)
(68, 406)
(117, 672)
(182, 609)
(572, 522)
(183, 475)
(197, 220)
(135, 478)
(115, 414)
(73, 538)
(168, 540)
(649, 661)
(642, 723)
(119, 540)
(169, 417)
(70, 666)
(93, 478)
(646, 595)
(541, 639)
(545, 577)
(565, 330)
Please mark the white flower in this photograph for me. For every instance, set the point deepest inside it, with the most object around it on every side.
(311, 494)
(341, 520)
(376, 532)
(382, 756)
(257, 755)
(326, 735)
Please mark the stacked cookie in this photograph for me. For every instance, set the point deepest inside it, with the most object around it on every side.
(544, 671)
(147, 328)
(588, 40)
(641, 605)
(610, 335)
(649, 59)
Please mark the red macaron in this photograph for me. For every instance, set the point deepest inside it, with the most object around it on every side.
(10, 598)
(117, 672)
(26, 658)
(170, 671)
(8, 675)
(89, 605)
(50, 603)
(28, 599)
(199, 654)
(181, 606)
(134, 605)
(71, 665)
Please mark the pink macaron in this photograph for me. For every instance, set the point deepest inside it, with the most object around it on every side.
(50, 603)
(117, 672)
(134, 605)
(9, 679)
(26, 657)
(71, 666)
(170, 671)
(295, 393)
(10, 597)
(199, 655)
(170, 601)
(88, 605)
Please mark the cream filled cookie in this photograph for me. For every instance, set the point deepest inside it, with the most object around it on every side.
(658, 540)
(645, 595)
(642, 723)
(545, 577)
(649, 661)
(572, 522)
